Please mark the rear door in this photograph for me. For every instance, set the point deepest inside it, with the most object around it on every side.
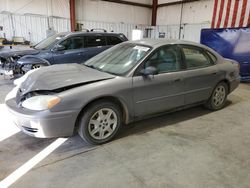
(163, 91)
(73, 52)
(201, 74)
(94, 44)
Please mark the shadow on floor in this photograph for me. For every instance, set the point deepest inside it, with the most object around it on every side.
(19, 148)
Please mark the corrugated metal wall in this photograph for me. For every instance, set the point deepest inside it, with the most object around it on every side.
(124, 28)
(190, 32)
(32, 28)
(5, 21)
(171, 31)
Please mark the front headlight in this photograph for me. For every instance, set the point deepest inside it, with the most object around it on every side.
(41, 102)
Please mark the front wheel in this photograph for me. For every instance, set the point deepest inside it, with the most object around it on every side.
(100, 122)
(37, 66)
(219, 96)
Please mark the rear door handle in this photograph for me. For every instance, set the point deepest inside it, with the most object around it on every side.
(177, 80)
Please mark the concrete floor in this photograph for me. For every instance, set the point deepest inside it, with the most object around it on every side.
(192, 148)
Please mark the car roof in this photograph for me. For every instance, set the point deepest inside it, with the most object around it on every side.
(155, 43)
(77, 33)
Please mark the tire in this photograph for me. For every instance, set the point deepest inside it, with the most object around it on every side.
(37, 66)
(218, 98)
(100, 122)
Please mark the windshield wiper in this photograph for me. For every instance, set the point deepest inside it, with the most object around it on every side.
(90, 66)
(93, 67)
(33, 47)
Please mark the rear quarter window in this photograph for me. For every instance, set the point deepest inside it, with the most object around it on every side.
(212, 56)
(112, 40)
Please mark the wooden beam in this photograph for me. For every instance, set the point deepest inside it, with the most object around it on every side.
(129, 3)
(72, 15)
(176, 3)
(154, 12)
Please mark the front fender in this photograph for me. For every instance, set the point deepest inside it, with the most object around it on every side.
(32, 60)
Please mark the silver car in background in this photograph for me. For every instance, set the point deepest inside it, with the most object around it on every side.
(130, 81)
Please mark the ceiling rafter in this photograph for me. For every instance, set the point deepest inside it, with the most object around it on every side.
(176, 3)
(150, 6)
(129, 3)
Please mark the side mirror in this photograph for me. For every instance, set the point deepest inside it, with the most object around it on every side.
(149, 71)
(59, 47)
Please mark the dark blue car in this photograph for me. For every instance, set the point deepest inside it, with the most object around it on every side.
(231, 43)
(68, 47)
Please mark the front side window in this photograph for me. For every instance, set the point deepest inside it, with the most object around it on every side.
(165, 59)
(195, 57)
(48, 42)
(73, 43)
(94, 41)
(119, 59)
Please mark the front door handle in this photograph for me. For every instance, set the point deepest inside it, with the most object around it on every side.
(214, 73)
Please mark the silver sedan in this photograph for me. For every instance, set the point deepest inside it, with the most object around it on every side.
(130, 81)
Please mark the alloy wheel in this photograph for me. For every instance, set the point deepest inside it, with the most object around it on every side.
(219, 95)
(102, 123)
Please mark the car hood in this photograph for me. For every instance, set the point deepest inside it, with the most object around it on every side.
(60, 76)
(19, 53)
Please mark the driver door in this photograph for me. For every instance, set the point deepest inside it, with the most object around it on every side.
(73, 51)
(163, 91)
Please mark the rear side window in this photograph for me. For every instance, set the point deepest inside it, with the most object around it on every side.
(212, 56)
(73, 43)
(195, 57)
(111, 40)
(94, 41)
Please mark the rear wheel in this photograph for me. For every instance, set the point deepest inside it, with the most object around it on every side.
(219, 96)
(100, 122)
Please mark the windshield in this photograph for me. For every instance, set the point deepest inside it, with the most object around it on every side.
(119, 59)
(46, 43)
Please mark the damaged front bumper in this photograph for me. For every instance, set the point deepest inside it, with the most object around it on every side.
(9, 67)
(42, 124)
(6, 72)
